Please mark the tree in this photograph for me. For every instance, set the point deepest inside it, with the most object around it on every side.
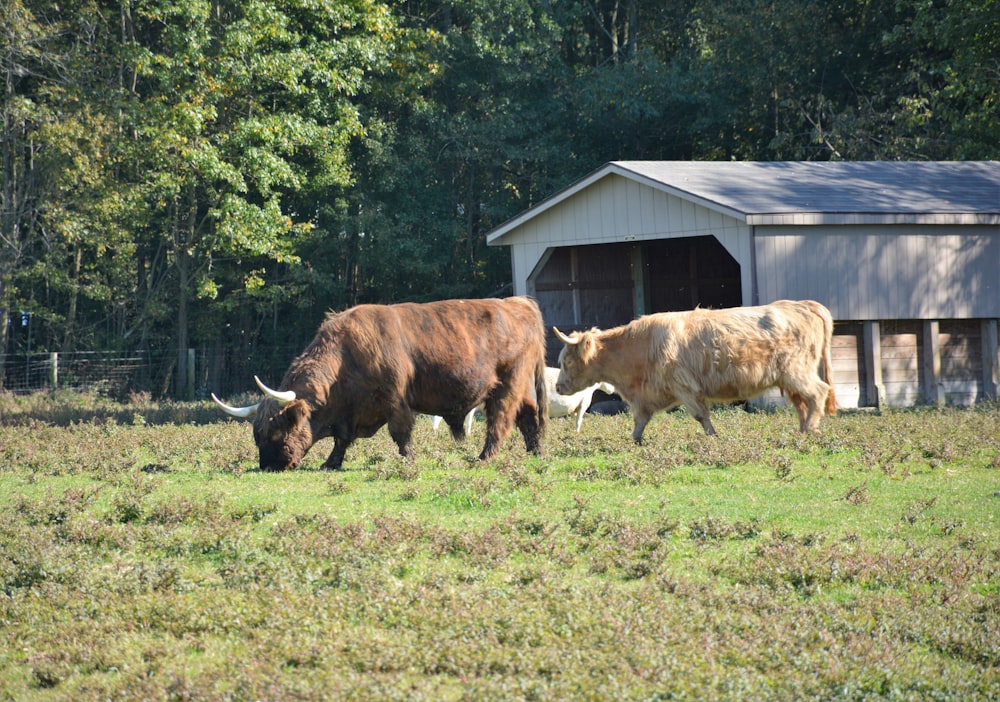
(184, 173)
(798, 79)
(238, 106)
(945, 99)
(27, 61)
(60, 201)
(467, 137)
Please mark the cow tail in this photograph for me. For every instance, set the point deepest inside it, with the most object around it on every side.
(541, 395)
(831, 398)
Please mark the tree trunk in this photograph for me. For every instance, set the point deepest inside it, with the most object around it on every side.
(74, 295)
(4, 324)
(184, 238)
(352, 273)
(471, 217)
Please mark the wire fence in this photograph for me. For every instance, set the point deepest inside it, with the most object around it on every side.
(191, 375)
(108, 373)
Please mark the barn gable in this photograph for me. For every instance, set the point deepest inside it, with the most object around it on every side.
(904, 245)
(623, 211)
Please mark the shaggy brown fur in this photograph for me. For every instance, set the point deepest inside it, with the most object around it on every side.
(374, 365)
(702, 357)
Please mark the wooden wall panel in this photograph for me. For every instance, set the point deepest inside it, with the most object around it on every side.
(845, 352)
(901, 343)
(961, 361)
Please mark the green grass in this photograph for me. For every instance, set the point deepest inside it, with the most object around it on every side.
(142, 556)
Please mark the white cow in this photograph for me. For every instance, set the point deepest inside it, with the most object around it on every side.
(578, 402)
(436, 420)
(559, 405)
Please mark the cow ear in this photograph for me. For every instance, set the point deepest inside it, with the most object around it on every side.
(291, 415)
(588, 345)
(295, 412)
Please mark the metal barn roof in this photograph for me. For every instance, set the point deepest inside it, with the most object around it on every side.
(812, 192)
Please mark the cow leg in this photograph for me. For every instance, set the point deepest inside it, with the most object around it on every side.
(500, 415)
(457, 427)
(642, 416)
(699, 410)
(461, 427)
(401, 431)
(809, 398)
(815, 403)
(527, 423)
(802, 407)
(706, 423)
(336, 459)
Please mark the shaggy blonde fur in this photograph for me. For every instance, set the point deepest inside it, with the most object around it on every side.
(702, 357)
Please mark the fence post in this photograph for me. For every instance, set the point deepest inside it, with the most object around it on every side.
(54, 370)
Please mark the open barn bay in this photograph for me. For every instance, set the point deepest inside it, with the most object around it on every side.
(142, 556)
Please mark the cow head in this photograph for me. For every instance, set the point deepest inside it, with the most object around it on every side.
(281, 427)
(575, 369)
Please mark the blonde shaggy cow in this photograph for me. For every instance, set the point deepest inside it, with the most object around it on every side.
(702, 357)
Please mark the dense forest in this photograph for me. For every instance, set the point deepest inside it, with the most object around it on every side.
(220, 173)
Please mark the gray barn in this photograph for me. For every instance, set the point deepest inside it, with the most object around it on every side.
(905, 254)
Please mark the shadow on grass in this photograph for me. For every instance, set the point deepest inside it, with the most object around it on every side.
(65, 408)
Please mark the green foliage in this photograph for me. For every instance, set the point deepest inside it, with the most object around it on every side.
(188, 173)
(149, 559)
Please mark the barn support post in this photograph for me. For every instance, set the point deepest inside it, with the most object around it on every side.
(871, 333)
(991, 358)
(930, 369)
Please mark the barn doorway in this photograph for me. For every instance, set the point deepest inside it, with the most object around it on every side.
(681, 274)
(604, 285)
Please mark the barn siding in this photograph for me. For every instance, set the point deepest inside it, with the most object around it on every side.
(907, 371)
(871, 272)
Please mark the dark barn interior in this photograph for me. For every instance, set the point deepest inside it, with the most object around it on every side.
(605, 285)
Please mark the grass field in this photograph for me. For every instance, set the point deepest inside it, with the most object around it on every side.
(142, 556)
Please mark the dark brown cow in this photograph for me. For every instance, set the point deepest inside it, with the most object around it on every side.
(379, 364)
(702, 357)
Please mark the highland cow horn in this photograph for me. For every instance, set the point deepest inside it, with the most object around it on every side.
(241, 412)
(568, 340)
(282, 397)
